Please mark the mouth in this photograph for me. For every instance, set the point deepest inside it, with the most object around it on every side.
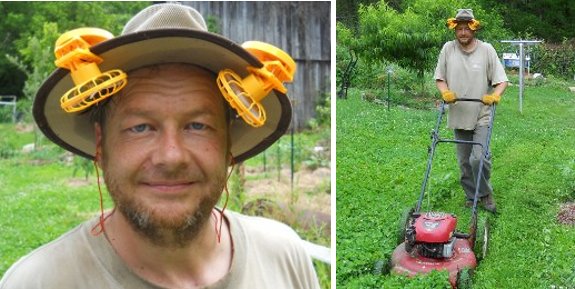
(169, 187)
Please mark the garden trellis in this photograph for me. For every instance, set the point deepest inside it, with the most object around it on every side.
(521, 44)
(9, 100)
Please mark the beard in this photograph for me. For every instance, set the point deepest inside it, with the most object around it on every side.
(465, 42)
(161, 228)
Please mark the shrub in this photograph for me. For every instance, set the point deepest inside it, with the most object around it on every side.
(554, 59)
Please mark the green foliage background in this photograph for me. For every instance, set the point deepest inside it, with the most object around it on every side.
(412, 37)
(30, 29)
(551, 20)
(408, 35)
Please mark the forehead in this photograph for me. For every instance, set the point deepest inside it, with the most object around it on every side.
(462, 24)
(173, 72)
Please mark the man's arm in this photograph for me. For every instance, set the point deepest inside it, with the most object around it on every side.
(499, 88)
(495, 96)
(441, 85)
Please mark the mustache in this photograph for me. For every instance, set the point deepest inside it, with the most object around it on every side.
(161, 174)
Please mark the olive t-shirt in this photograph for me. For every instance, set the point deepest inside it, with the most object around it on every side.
(469, 75)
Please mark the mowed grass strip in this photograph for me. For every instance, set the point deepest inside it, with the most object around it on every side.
(381, 158)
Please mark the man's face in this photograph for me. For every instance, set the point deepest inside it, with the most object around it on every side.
(464, 34)
(165, 151)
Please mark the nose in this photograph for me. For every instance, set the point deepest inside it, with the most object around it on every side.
(171, 152)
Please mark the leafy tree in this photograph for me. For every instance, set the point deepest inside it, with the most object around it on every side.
(345, 42)
(24, 22)
(551, 20)
(38, 49)
(32, 30)
(406, 38)
(413, 37)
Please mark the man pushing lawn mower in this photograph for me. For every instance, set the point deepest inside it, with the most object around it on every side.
(429, 240)
(469, 68)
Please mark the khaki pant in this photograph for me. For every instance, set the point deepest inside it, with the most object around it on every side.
(468, 157)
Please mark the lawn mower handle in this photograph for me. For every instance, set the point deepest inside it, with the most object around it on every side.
(470, 99)
(431, 151)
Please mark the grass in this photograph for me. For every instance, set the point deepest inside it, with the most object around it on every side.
(381, 156)
(40, 198)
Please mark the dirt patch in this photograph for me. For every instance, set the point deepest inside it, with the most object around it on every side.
(566, 215)
(76, 182)
(24, 127)
(304, 202)
(310, 189)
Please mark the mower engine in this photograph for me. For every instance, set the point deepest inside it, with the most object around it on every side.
(431, 235)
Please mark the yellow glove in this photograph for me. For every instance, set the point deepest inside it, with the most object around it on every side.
(491, 99)
(448, 96)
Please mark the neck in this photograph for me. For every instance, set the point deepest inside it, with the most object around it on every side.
(469, 47)
(200, 262)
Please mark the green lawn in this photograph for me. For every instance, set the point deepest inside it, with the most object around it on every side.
(381, 158)
(39, 197)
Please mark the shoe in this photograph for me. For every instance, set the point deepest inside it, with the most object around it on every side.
(488, 203)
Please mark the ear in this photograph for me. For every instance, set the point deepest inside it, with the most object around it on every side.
(99, 140)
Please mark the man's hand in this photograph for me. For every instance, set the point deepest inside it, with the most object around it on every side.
(448, 96)
(491, 99)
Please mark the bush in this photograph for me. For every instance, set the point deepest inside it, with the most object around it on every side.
(554, 59)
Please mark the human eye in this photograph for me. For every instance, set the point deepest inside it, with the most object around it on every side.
(140, 128)
(197, 126)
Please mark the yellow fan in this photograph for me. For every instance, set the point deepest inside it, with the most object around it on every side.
(245, 94)
(92, 86)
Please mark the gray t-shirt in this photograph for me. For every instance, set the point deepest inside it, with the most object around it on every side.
(267, 254)
(469, 75)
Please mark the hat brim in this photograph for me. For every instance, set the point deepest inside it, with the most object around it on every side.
(75, 132)
(463, 19)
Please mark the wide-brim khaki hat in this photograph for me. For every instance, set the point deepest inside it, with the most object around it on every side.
(163, 33)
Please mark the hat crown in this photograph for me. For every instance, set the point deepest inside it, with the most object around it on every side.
(165, 16)
(464, 15)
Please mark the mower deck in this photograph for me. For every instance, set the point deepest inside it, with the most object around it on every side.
(463, 257)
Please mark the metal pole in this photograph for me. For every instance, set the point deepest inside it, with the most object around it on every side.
(292, 165)
(278, 160)
(521, 44)
(264, 159)
(521, 64)
(388, 84)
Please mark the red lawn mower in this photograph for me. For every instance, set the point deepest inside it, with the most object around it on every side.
(429, 240)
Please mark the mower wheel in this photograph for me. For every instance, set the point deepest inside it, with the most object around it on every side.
(464, 279)
(406, 216)
(382, 267)
(481, 239)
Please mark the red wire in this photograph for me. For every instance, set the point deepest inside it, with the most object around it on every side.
(100, 224)
(221, 222)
